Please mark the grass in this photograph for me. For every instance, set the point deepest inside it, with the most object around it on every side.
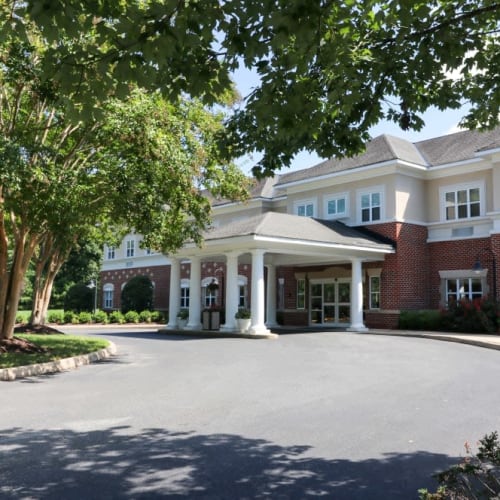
(59, 347)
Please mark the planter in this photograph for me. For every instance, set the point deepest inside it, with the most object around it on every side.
(244, 324)
(181, 323)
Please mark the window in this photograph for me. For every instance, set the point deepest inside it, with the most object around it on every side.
(242, 301)
(301, 293)
(108, 291)
(374, 292)
(210, 299)
(130, 250)
(184, 294)
(336, 206)
(463, 288)
(371, 205)
(305, 208)
(110, 253)
(462, 203)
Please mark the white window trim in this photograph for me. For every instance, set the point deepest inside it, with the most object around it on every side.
(306, 201)
(110, 250)
(375, 272)
(370, 190)
(459, 187)
(335, 197)
(133, 241)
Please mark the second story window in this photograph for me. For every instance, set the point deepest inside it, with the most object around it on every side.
(371, 207)
(305, 208)
(462, 203)
(130, 248)
(336, 206)
(111, 253)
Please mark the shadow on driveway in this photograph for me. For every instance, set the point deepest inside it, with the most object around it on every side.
(156, 463)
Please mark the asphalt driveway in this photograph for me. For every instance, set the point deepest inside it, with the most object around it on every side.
(333, 415)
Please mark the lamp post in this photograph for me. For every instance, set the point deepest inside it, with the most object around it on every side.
(478, 268)
(93, 286)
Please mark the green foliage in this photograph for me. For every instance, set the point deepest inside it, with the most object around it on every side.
(477, 316)
(243, 313)
(157, 316)
(79, 298)
(477, 476)
(71, 317)
(100, 317)
(21, 318)
(137, 294)
(84, 317)
(420, 320)
(131, 317)
(480, 315)
(116, 317)
(343, 65)
(55, 317)
(145, 316)
(183, 314)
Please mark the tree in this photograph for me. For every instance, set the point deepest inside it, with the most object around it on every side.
(343, 65)
(137, 295)
(56, 173)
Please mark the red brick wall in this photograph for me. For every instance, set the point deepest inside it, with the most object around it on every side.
(159, 275)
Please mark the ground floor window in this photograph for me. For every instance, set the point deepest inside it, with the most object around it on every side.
(463, 288)
(185, 297)
(374, 292)
(242, 301)
(108, 291)
(301, 293)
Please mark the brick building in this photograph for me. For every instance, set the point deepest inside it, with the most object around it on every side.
(348, 242)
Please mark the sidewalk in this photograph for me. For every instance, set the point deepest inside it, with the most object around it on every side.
(489, 341)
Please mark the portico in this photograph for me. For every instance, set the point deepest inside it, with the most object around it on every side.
(268, 241)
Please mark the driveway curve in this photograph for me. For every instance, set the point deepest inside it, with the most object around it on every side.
(337, 415)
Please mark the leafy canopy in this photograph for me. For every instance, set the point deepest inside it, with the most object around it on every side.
(328, 70)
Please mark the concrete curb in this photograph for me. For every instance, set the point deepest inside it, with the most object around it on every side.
(478, 340)
(60, 365)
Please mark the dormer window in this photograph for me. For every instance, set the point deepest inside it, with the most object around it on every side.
(336, 206)
(305, 208)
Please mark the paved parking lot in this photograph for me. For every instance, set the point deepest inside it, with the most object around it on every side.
(337, 415)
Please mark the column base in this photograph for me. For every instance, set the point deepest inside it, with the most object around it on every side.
(193, 327)
(357, 328)
(258, 330)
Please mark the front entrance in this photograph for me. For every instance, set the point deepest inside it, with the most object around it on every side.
(330, 302)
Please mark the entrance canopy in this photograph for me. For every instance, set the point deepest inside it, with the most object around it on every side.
(293, 240)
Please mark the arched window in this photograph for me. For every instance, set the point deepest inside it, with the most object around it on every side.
(108, 292)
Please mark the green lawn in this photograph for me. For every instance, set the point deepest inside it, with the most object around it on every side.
(60, 346)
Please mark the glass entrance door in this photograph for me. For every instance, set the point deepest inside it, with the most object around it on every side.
(330, 302)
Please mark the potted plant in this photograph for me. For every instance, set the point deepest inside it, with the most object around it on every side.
(182, 318)
(243, 319)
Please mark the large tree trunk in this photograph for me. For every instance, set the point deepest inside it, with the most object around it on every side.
(12, 283)
(49, 262)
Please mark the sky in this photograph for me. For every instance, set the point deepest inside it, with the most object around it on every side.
(437, 123)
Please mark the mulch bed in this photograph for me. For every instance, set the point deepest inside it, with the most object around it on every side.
(19, 345)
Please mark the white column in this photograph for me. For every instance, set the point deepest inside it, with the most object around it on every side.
(175, 290)
(232, 292)
(258, 302)
(195, 295)
(357, 324)
(271, 296)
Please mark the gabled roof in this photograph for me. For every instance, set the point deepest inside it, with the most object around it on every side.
(292, 227)
(430, 153)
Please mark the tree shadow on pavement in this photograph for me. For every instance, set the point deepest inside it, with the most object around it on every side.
(156, 463)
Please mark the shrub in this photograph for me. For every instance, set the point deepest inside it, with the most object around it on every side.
(70, 317)
(477, 476)
(424, 319)
(116, 317)
(145, 316)
(137, 294)
(55, 317)
(183, 314)
(79, 298)
(473, 316)
(85, 317)
(157, 316)
(243, 313)
(100, 317)
(132, 317)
